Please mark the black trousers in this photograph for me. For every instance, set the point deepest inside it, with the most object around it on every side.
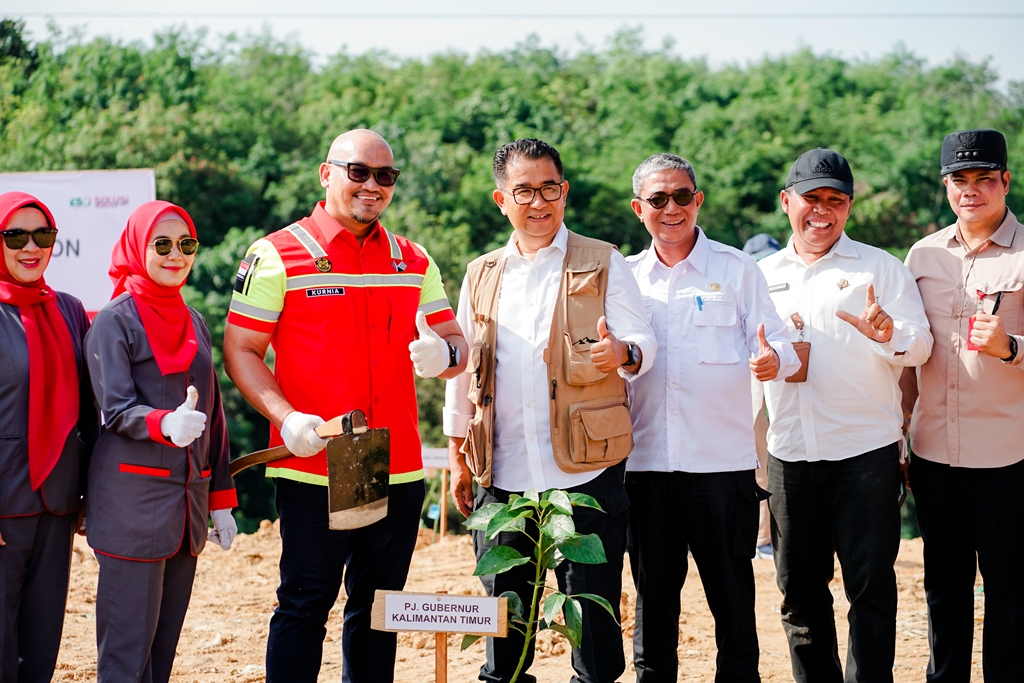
(972, 518)
(140, 607)
(851, 508)
(599, 659)
(34, 569)
(716, 514)
(313, 560)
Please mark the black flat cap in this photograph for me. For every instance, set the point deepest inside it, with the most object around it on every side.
(973, 149)
(820, 168)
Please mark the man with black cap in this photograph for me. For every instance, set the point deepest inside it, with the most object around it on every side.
(836, 426)
(966, 431)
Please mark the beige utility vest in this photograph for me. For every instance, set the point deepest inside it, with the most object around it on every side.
(590, 424)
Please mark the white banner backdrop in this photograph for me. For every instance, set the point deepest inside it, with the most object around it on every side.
(91, 209)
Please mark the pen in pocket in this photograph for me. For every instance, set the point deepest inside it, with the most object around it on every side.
(700, 304)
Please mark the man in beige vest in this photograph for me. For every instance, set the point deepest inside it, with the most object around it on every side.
(558, 327)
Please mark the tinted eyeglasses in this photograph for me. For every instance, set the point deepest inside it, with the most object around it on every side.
(526, 195)
(360, 173)
(18, 239)
(186, 245)
(659, 200)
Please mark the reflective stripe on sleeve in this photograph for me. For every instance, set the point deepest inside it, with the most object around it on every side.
(254, 311)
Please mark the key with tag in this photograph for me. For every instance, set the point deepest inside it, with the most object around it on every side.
(803, 350)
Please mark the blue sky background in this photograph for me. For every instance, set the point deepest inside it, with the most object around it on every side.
(937, 30)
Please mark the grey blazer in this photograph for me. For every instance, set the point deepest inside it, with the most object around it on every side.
(61, 492)
(146, 495)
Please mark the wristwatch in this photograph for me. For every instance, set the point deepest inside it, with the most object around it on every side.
(632, 354)
(1013, 350)
(453, 354)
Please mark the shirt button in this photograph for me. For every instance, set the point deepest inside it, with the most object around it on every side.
(526, 370)
(530, 304)
(672, 351)
(528, 404)
(672, 385)
(531, 437)
(376, 400)
(374, 362)
(672, 318)
(960, 286)
(714, 320)
(952, 386)
(372, 327)
(956, 316)
(952, 350)
(673, 420)
(952, 419)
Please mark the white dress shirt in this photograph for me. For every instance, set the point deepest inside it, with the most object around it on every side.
(690, 411)
(850, 403)
(523, 458)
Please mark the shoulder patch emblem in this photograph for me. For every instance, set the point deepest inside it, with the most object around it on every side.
(247, 265)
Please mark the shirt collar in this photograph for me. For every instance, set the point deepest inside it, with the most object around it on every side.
(844, 246)
(697, 258)
(330, 228)
(1004, 235)
(560, 242)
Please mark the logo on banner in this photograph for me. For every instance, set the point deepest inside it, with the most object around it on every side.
(100, 201)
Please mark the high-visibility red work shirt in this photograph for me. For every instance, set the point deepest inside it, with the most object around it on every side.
(342, 317)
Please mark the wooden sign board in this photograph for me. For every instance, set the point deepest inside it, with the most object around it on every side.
(440, 613)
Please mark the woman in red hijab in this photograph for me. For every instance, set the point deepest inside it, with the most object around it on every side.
(48, 423)
(161, 463)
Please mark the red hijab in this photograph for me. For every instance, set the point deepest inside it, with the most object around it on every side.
(163, 312)
(52, 370)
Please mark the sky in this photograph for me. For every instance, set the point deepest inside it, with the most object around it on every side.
(738, 32)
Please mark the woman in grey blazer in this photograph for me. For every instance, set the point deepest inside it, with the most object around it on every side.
(48, 424)
(160, 465)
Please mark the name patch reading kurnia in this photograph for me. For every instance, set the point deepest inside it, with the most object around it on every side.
(325, 291)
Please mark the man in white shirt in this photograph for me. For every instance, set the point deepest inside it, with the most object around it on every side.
(691, 475)
(834, 439)
(512, 396)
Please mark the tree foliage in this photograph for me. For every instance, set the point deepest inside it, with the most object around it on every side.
(236, 133)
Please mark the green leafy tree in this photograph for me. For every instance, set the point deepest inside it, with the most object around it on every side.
(546, 519)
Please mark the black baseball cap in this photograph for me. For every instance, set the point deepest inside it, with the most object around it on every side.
(973, 149)
(820, 168)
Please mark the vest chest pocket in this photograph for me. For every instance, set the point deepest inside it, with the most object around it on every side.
(583, 279)
(715, 322)
(599, 433)
(579, 369)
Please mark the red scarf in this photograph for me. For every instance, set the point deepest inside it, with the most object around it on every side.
(164, 315)
(52, 370)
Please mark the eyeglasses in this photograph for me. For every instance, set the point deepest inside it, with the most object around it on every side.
(360, 173)
(659, 200)
(526, 195)
(186, 245)
(18, 239)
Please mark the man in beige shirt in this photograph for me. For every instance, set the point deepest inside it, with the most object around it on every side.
(967, 431)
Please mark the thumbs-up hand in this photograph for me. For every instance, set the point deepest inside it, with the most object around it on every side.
(185, 424)
(873, 323)
(608, 353)
(765, 365)
(429, 353)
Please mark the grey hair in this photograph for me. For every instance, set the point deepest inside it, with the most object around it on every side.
(661, 162)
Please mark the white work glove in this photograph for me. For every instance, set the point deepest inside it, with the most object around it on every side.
(299, 437)
(429, 353)
(185, 424)
(224, 528)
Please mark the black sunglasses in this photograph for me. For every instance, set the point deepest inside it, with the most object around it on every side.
(186, 245)
(659, 200)
(360, 173)
(18, 239)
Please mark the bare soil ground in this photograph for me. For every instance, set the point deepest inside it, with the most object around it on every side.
(225, 632)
